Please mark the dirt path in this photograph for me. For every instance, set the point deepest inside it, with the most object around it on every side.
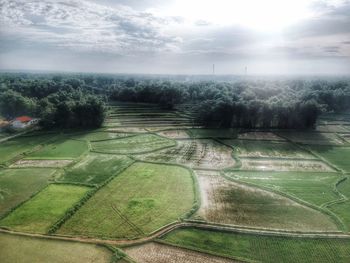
(161, 232)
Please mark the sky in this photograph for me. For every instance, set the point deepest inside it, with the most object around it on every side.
(270, 37)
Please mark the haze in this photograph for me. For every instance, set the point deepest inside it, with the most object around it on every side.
(176, 36)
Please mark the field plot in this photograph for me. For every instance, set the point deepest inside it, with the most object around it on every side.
(139, 200)
(284, 165)
(127, 130)
(63, 149)
(264, 248)
(11, 148)
(261, 136)
(136, 144)
(17, 185)
(227, 202)
(339, 156)
(251, 148)
(101, 136)
(313, 138)
(174, 134)
(342, 210)
(96, 168)
(203, 153)
(44, 209)
(212, 133)
(315, 188)
(331, 128)
(41, 163)
(160, 253)
(21, 249)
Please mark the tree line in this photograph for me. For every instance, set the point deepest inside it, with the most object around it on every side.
(79, 100)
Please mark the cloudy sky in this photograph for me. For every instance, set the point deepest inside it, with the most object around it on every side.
(176, 36)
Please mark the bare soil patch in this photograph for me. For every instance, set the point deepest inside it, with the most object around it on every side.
(160, 253)
(174, 134)
(268, 136)
(41, 163)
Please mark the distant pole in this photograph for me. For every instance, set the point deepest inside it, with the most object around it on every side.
(213, 69)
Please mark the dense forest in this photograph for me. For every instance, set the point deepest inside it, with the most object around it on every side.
(79, 100)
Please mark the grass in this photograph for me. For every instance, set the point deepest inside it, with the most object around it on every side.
(17, 185)
(100, 136)
(16, 146)
(312, 187)
(250, 148)
(96, 168)
(313, 138)
(343, 209)
(132, 145)
(139, 200)
(15, 248)
(63, 149)
(339, 156)
(263, 248)
(227, 202)
(44, 209)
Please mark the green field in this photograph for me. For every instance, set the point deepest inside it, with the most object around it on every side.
(263, 248)
(63, 149)
(313, 138)
(251, 148)
(342, 210)
(44, 209)
(139, 200)
(339, 156)
(10, 149)
(101, 136)
(315, 188)
(135, 144)
(17, 185)
(15, 248)
(96, 168)
(212, 133)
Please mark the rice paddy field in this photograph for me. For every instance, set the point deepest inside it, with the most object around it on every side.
(151, 185)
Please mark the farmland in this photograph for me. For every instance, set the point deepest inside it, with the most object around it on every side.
(155, 177)
(44, 209)
(138, 201)
(263, 248)
(25, 249)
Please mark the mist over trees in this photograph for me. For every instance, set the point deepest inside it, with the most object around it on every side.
(79, 100)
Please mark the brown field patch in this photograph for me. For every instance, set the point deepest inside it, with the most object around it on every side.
(227, 202)
(268, 136)
(41, 163)
(127, 129)
(161, 253)
(174, 134)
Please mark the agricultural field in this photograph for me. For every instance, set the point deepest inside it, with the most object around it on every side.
(101, 136)
(227, 202)
(62, 149)
(157, 253)
(259, 248)
(41, 163)
(338, 156)
(17, 185)
(254, 164)
(260, 136)
(14, 248)
(44, 209)
(312, 138)
(138, 201)
(174, 134)
(273, 149)
(95, 168)
(133, 145)
(202, 153)
(320, 186)
(212, 133)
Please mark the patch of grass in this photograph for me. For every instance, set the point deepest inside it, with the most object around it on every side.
(263, 248)
(17, 185)
(139, 200)
(343, 209)
(136, 144)
(250, 148)
(61, 149)
(96, 168)
(339, 156)
(15, 248)
(44, 209)
(312, 187)
(16, 146)
(312, 138)
(101, 136)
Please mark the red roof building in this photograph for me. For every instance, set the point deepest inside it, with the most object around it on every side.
(23, 119)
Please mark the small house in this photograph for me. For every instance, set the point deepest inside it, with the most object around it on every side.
(23, 122)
